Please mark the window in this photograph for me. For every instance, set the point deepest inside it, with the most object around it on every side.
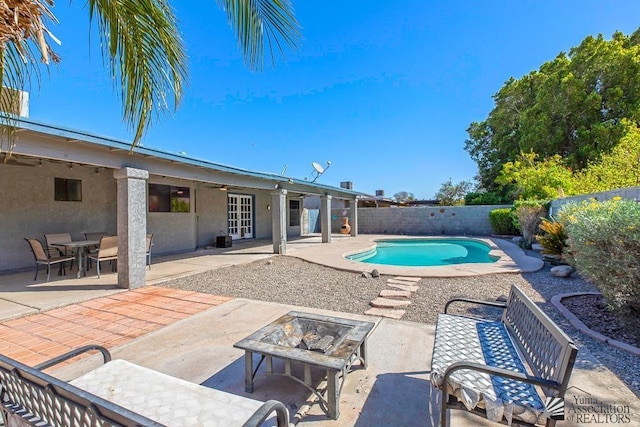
(294, 213)
(168, 198)
(68, 190)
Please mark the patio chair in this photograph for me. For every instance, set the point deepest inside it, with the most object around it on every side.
(57, 251)
(94, 236)
(149, 244)
(42, 257)
(107, 251)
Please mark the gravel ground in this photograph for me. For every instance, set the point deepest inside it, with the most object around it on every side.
(288, 280)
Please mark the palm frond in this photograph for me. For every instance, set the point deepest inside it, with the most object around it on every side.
(22, 43)
(262, 22)
(146, 58)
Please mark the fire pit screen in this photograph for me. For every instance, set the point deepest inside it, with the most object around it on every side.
(309, 334)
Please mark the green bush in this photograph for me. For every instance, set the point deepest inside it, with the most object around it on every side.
(604, 246)
(502, 221)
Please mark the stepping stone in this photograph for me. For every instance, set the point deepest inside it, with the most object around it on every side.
(388, 303)
(409, 279)
(381, 312)
(400, 282)
(388, 293)
(409, 288)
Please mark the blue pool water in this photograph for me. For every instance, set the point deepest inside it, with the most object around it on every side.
(426, 252)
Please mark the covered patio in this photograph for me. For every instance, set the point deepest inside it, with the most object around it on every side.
(69, 181)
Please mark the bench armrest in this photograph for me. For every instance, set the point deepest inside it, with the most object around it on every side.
(499, 372)
(106, 356)
(502, 305)
(282, 414)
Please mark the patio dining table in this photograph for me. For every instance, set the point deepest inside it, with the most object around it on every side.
(80, 248)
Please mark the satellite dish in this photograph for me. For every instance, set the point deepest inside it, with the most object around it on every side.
(318, 170)
(317, 167)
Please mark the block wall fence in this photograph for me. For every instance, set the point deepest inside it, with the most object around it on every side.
(438, 220)
(632, 193)
(449, 220)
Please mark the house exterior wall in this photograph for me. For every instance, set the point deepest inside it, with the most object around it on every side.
(28, 208)
(211, 216)
(442, 220)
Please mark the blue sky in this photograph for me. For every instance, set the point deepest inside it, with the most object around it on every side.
(384, 90)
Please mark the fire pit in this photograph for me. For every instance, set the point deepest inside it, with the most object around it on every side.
(326, 342)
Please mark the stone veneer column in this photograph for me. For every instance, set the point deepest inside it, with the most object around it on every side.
(279, 221)
(132, 226)
(354, 217)
(325, 218)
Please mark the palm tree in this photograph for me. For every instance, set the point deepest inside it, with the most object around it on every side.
(141, 43)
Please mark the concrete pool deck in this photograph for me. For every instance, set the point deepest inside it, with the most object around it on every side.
(512, 259)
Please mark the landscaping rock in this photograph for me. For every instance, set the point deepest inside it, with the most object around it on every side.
(375, 273)
(365, 275)
(561, 270)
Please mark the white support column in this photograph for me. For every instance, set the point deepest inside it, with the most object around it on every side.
(279, 221)
(132, 226)
(354, 217)
(325, 218)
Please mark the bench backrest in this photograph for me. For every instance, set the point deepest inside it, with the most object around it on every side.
(37, 398)
(548, 350)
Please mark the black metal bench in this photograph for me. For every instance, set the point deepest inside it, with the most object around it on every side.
(31, 397)
(513, 370)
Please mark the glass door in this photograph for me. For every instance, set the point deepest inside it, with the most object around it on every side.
(240, 216)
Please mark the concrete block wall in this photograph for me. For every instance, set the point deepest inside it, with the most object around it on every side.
(441, 220)
(632, 193)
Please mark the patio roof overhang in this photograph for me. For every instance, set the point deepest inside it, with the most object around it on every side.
(44, 141)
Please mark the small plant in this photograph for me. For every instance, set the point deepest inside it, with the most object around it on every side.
(502, 221)
(554, 239)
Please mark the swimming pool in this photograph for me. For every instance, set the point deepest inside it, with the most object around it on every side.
(426, 252)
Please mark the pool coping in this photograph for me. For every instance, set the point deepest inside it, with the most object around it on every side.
(512, 258)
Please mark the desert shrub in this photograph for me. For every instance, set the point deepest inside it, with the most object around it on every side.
(604, 246)
(502, 221)
(529, 217)
(554, 239)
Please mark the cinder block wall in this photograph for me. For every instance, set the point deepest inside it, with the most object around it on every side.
(441, 220)
(631, 193)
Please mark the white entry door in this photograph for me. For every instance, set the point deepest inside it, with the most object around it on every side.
(240, 216)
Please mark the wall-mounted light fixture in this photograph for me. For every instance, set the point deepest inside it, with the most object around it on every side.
(268, 207)
(223, 188)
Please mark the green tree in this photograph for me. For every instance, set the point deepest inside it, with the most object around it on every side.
(451, 194)
(572, 106)
(618, 169)
(142, 46)
(533, 179)
(403, 197)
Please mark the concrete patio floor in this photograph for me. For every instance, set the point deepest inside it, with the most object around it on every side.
(191, 336)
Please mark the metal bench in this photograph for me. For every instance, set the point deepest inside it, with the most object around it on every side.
(513, 370)
(119, 393)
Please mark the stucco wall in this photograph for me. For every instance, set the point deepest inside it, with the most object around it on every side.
(445, 220)
(28, 208)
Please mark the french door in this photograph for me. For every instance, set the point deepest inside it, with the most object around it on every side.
(240, 216)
